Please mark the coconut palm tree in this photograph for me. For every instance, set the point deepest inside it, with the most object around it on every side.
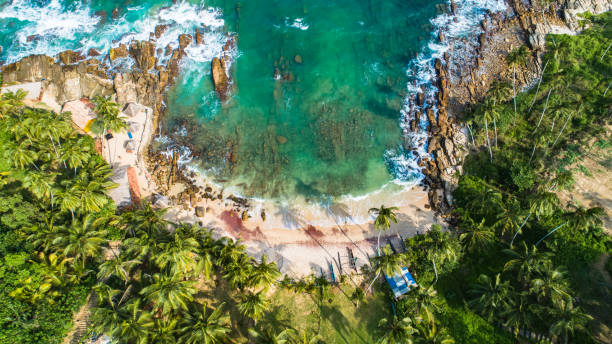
(204, 325)
(264, 274)
(146, 220)
(81, 240)
(11, 103)
(20, 155)
(75, 153)
(117, 267)
(583, 218)
(426, 301)
(510, 217)
(178, 255)
(169, 293)
(106, 295)
(163, 331)
(567, 319)
(253, 305)
(429, 333)
(440, 247)
(304, 338)
(519, 314)
(389, 264)
(491, 297)
(41, 184)
(477, 237)
(109, 113)
(550, 284)
(527, 261)
(136, 325)
(396, 331)
(384, 217)
(517, 56)
(543, 203)
(268, 335)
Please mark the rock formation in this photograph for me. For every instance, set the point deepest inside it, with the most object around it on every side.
(220, 79)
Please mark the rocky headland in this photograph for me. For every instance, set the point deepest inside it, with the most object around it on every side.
(470, 66)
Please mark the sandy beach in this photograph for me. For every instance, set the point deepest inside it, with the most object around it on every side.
(300, 236)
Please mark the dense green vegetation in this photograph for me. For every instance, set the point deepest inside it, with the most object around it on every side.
(50, 178)
(527, 257)
(516, 260)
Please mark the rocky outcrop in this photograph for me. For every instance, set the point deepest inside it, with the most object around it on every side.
(220, 79)
(143, 52)
(573, 8)
(475, 64)
(119, 52)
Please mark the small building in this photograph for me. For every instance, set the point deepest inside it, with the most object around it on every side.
(401, 283)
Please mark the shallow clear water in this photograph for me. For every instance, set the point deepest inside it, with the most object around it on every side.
(326, 126)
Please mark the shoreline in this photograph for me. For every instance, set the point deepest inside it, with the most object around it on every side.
(293, 234)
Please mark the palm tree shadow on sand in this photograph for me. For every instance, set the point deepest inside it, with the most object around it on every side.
(290, 216)
(339, 212)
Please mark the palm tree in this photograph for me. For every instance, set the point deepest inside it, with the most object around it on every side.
(582, 217)
(199, 325)
(430, 334)
(117, 267)
(264, 275)
(396, 331)
(81, 240)
(520, 314)
(109, 111)
(384, 217)
(477, 237)
(179, 255)
(390, 264)
(136, 326)
(304, 338)
(11, 103)
(169, 293)
(551, 285)
(510, 217)
(19, 155)
(527, 262)
(146, 220)
(41, 184)
(491, 296)
(253, 305)
(498, 91)
(543, 203)
(567, 319)
(439, 247)
(75, 153)
(517, 56)
(269, 336)
(426, 301)
(163, 331)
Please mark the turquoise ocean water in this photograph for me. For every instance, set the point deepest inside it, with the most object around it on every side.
(321, 89)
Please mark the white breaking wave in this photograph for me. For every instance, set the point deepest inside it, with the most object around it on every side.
(298, 23)
(50, 29)
(465, 23)
(45, 27)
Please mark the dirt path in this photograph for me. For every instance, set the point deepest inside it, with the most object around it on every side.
(81, 321)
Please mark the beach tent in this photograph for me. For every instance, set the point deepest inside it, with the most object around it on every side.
(398, 282)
